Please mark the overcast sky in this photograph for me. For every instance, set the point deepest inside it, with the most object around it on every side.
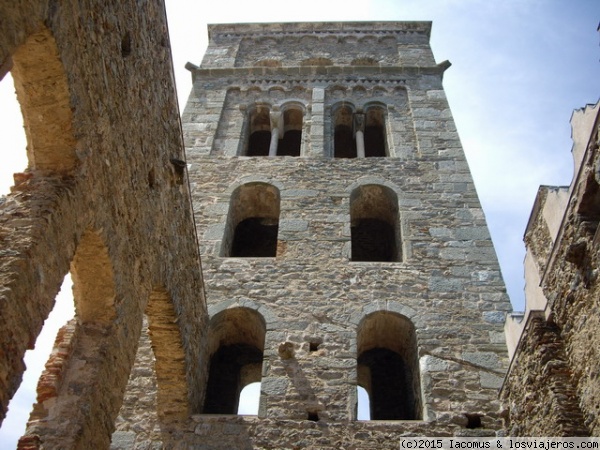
(519, 69)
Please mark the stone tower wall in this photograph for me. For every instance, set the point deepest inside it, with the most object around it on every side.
(314, 301)
(100, 198)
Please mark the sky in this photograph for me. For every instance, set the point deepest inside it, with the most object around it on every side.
(519, 69)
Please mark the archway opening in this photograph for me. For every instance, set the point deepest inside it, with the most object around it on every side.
(388, 366)
(344, 144)
(236, 344)
(253, 222)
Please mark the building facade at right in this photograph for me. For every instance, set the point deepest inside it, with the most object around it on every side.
(553, 384)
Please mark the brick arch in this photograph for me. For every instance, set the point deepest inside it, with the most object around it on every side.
(43, 92)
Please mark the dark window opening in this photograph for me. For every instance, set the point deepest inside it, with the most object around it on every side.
(258, 144)
(344, 142)
(374, 141)
(224, 378)
(391, 385)
(388, 367)
(252, 222)
(255, 237)
(375, 229)
(375, 145)
(290, 144)
(373, 240)
(259, 137)
(313, 346)
(235, 344)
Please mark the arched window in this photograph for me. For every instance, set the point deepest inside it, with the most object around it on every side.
(291, 142)
(375, 142)
(344, 144)
(260, 132)
(236, 344)
(388, 366)
(253, 222)
(275, 133)
(374, 225)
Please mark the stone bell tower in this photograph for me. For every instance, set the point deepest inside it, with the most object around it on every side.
(342, 241)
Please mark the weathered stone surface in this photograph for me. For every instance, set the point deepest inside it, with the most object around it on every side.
(100, 198)
(446, 283)
(553, 387)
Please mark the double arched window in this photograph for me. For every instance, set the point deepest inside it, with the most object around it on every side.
(275, 131)
(359, 133)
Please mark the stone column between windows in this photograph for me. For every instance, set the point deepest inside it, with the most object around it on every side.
(276, 131)
(359, 134)
(317, 122)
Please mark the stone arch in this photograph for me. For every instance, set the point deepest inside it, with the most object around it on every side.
(344, 143)
(169, 354)
(87, 342)
(293, 121)
(375, 224)
(259, 136)
(359, 91)
(379, 91)
(252, 221)
(375, 130)
(337, 91)
(387, 365)
(235, 347)
(42, 89)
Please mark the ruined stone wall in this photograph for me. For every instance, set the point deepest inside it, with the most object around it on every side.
(570, 285)
(95, 85)
(313, 299)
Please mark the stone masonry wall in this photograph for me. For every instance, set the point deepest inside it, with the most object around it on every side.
(95, 84)
(570, 284)
(448, 283)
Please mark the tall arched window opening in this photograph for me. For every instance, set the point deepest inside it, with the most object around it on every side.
(260, 132)
(374, 224)
(344, 144)
(388, 366)
(375, 142)
(291, 142)
(253, 222)
(236, 345)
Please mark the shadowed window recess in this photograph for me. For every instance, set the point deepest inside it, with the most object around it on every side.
(253, 222)
(236, 344)
(374, 224)
(388, 367)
